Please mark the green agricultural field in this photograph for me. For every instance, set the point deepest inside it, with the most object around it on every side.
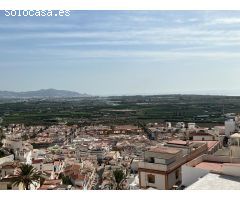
(120, 110)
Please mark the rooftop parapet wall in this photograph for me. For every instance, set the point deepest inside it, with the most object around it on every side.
(178, 162)
(196, 161)
(223, 159)
(198, 152)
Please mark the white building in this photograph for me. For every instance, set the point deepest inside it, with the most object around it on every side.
(235, 145)
(42, 165)
(16, 145)
(168, 125)
(191, 125)
(204, 136)
(19, 147)
(7, 169)
(161, 168)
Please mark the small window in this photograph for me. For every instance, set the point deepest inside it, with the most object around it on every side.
(9, 187)
(151, 178)
(152, 160)
(203, 139)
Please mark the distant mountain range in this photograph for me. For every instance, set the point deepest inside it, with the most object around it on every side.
(44, 93)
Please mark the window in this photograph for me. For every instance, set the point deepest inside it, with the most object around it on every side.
(9, 187)
(203, 139)
(151, 178)
(152, 160)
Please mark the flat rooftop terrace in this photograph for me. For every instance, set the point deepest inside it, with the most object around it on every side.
(216, 182)
(216, 167)
(210, 166)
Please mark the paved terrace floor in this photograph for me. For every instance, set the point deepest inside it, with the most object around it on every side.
(211, 166)
(216, 182)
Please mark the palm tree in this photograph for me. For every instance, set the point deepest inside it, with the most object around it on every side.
(119, 177)
(26, 175)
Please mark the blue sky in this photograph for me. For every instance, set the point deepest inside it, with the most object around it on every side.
(122, 52)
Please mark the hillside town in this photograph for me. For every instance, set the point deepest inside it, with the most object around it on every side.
(161, 156)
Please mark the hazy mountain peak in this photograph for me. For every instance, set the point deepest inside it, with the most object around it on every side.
(42, 93)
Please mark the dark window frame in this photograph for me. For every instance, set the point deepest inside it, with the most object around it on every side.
(151, 178)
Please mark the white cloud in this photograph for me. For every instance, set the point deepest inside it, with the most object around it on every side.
(177, 54)
(182, 38)
(37, 26)
(224, 21)
(193, 20)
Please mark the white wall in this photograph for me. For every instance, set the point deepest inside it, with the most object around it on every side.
(172, 178)
(38, 166)
(235, 151)
(200, 138)
(45, 166)
(231, 170)
(159, 181)
(191, 125)
(17, 147)
(191, 175)
(13, 144)
(134, 165)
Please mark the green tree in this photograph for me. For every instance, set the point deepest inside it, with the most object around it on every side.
(119, 177)
(26, 175)
(65, 179)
